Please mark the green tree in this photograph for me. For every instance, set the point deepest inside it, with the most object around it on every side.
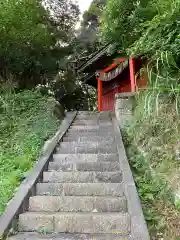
(122, 21)
(34, 38)
(88, 40)
(93, 14)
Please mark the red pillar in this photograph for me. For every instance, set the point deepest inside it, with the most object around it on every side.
(132, 74)
(99, 95)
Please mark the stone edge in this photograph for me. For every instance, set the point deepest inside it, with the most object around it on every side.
(19, 202)
(139, 229)
(124, 95)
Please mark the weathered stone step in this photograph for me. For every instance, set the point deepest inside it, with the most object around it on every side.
(73, 158)
(85, 128)
(82, 177)
(90, 129)
(86, 149)
(102, 145)
(83, 148)
(94, 114)
(86, 166)
(77, 204)
(67, 236)
(103, 113)
(75, 222)
(91, 144)
(99, 116)
(91, 123)
(80, 113)
(80, 189)
(85, 117)
(91, 134)
(95, 138)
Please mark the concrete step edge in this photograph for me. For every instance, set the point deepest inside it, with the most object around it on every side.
(82, 177)
(77, 204)
(80, 189)
(76, 222)
(67, 236)
(84, 166)
(87, 139)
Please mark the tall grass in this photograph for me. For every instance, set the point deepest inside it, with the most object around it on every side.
(153, 146)
(26, 121)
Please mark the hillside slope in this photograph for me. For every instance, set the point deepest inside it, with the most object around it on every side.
(26, 122)
(152, 142)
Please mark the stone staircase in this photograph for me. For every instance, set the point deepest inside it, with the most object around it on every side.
(82, 194)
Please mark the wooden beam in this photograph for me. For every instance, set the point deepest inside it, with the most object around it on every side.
(132, 74)
(100, 92)
(121, 59)
(113, 65)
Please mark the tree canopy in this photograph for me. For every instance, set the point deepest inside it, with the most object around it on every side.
(35, 37)
(123, 20)
(147, 28)
(88, 39)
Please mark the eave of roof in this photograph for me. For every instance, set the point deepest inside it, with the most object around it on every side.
(94, 58)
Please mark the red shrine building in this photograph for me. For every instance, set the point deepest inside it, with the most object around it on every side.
(112, 74)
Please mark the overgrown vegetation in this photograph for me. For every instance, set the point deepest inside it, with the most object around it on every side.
(26, 122)
(150, 29)
(152, 143)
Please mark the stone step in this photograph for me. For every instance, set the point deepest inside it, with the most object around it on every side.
(100, 133)
(75, 222)
(88, 138)
(111, 143)
(94, 117)
(74, 158)
(86, 166)
(90, 134)
(80, 189)
(91, 123)
(86, 150)
(67, 236)
(90, 129)
(83, 148)
(77, 204)
(98, 115)
(94, 144)
(101, 115)
(82, 177)
(84, 128)
(80, 113)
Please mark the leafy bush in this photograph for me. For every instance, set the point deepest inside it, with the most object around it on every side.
(26, 121)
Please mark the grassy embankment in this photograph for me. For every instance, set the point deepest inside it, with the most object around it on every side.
(153, 149)
(26, 122)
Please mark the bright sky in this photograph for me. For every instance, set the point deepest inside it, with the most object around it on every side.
(84, 4)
